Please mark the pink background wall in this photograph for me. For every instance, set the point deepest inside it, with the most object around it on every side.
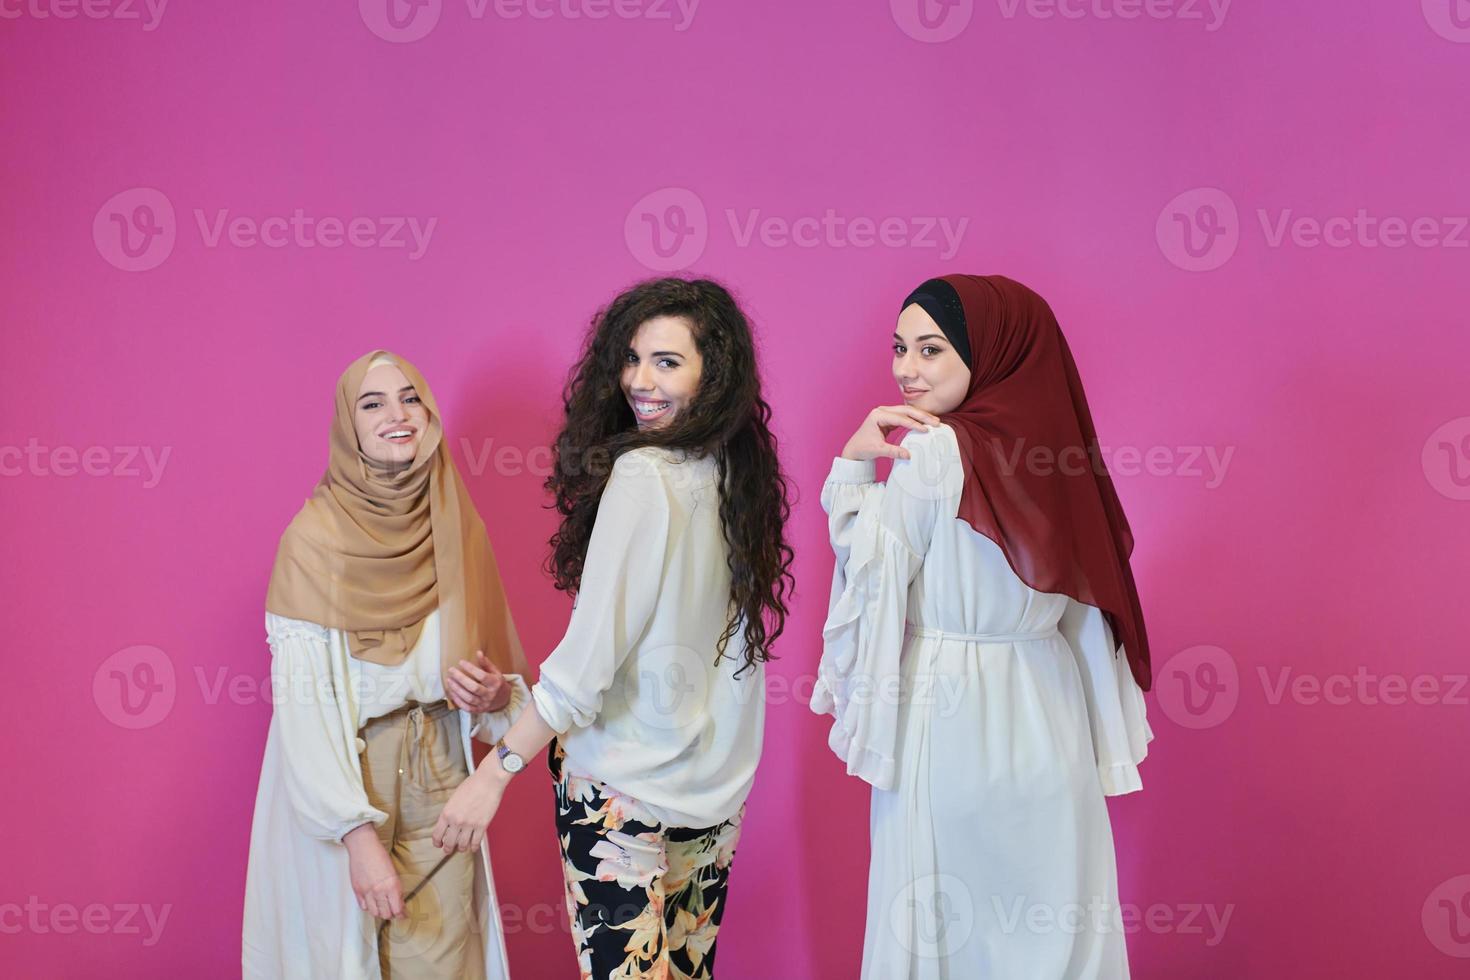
(1310, 829)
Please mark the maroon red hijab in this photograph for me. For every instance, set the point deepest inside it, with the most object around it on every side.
(1035, 482)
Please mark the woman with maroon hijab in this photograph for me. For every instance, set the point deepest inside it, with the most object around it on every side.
(984, 655)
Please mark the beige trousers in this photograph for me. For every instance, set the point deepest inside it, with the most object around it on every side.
(413, 762)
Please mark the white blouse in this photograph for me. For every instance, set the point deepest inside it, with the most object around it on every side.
(634, 688)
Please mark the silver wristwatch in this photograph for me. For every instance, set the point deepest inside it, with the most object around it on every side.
(509, 761)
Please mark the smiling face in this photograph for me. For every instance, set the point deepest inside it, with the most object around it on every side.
(661, 370)
(929, 371)
(389, 416)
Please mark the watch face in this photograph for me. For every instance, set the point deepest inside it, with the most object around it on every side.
(512, 762)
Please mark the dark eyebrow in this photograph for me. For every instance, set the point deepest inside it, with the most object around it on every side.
(659, 353)
(927, 336)
(379, 394)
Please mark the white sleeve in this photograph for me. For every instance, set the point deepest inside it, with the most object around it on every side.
(1115, 706)
(324, 786)
(621, 579)
(879, 550)
(491, 726)
(849, 483)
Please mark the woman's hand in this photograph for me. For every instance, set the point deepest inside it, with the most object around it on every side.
(374, 882)
(461, 825)
(871, 439)
(478, 687)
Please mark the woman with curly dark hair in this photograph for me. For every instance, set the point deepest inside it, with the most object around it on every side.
(672, 540)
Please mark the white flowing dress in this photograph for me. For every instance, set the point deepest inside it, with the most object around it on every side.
(992, 721)
(301, 917)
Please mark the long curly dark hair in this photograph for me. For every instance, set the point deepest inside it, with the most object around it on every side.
(727, 417)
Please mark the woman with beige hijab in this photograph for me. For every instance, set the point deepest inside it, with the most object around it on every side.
(392, 646)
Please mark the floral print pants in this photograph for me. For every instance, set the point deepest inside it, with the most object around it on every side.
(645, 900)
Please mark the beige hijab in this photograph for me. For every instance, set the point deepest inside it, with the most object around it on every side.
(375, 549)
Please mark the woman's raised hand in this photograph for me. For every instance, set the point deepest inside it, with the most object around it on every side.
(478, 687)
(871, 439)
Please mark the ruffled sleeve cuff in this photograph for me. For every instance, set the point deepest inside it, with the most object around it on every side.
(375, 817)
(491, 726)
(864, 762)
(1118, 780)
(853, 471)
(862, 642)
(1121, 777)
(1115, 706)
